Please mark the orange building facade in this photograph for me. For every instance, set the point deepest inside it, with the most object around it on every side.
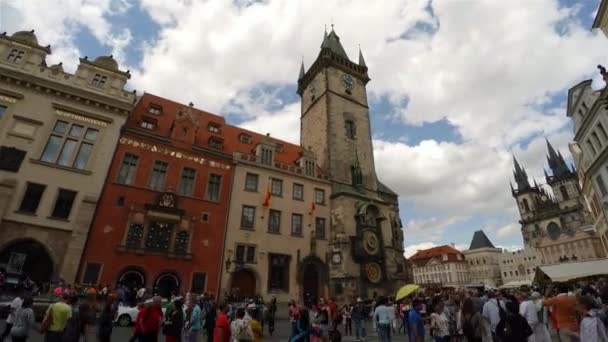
(161, 219)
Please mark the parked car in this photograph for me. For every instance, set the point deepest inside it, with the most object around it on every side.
(126, 315)
(41, 304)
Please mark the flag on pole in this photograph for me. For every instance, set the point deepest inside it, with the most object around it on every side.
(267, 196)
(312, 208)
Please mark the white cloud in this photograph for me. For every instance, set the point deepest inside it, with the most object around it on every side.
(430, 229)
(510, 229)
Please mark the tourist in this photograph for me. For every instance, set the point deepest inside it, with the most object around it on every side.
(221, 331)
(141, 293)
(358, 315)
(492, 311)
(322, 319)
(452, 312)
(174, 321)
(294, 316)
(564, 310)
(137, 331)
(255, 325)
(55, 319)
(592, 328)
(382, 317)
(10, 320)
(439, 322)
(303, 327)
(239, 328)
(416, 323)
(348, 322)
(512, 326)
(151, 317)
(192, 328)
(106, 321)
(472, 322)
(210, 320)
(23, 321)
(533, 310)
(271, 314)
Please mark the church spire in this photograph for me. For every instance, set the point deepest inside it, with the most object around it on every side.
(331, 42)
(559, 168)
(520, 175)
(361, 60)
(301, 70)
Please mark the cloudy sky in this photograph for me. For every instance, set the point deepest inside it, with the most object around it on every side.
(457, 86)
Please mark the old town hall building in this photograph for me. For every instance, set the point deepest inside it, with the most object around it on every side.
(366, 243)
(557, 225)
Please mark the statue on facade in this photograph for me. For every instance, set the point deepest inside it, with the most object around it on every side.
(337, 220)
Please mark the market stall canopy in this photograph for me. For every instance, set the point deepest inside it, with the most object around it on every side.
(516, 283)
(572, 270)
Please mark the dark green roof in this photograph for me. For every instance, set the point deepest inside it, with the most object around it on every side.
(480, 240)
(332, 42)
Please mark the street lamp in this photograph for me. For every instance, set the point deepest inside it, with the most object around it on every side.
(237, 265)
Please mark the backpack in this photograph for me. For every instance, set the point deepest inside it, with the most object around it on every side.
(73, 327)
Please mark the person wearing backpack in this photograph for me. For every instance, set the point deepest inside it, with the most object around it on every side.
(492, 311)
(23, 321)
(533, 310)
(472, 322)
(512, 326)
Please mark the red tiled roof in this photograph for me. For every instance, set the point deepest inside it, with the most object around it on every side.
(423, 256)
(288, 154)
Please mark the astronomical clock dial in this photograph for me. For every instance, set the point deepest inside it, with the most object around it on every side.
(348, 81)
(373, 272)
(336, 258)
(371, 243)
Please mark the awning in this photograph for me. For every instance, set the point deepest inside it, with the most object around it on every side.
(573, 270)
(515, 284)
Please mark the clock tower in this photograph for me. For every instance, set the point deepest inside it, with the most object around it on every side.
(366, 236)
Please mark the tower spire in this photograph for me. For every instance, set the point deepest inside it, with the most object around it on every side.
(519, 173)
(301, 70)
(556, 161)
(361, 60)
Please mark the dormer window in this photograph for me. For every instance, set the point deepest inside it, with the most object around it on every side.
(245, 139)
(155, 109)
(309, 168)
(266, 156)
(215, 128)
(99, 80)
(15, 56)
(216, 143)
(148, 124)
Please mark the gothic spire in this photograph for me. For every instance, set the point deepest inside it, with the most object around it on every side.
(556, 161)
(301, 70)
(361, 60)
(331, 41)
(521, 178)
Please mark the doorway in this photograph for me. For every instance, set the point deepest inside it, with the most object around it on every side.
(167, 284)
(27, 258)
(310, 284)
(243, 284)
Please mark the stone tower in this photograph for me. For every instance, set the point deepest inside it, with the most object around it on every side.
(367, 240)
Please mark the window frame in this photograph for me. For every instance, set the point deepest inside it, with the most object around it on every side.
(216, 143)
(270, 227)
(208, 197)
(253, 209)
(350, 129)
(190, 191)
(62, 141)
(299, 233)
(272, 184)
(151, 176)
(257, 181)
(214, 128)
(149, 124)
(27, 187)
(98, 274)
(293, 192)
(15, 56)
(286, 266)
(133, 166)
(322, 192)
(317, 220)
(70, 210)
(99, 80)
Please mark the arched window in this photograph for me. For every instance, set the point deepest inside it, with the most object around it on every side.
(181, 242)
(564, 192)
(351, 129)
(134, 235)
(526, 205)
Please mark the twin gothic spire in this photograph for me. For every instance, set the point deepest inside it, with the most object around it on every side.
(557, 164)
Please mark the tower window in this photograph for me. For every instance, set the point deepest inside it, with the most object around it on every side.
(591, 147)
(601, 185)
(564, 193)
(155, 109)
(99, 80)
(600, 127)
(309, 168)
(15, 56)
(526, 205)
(351, 130)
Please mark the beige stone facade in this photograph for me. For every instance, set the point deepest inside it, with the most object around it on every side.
(283, 252)
(484, 266)
(601, 18)
(58, 132)
(519, 266)
(441, 266)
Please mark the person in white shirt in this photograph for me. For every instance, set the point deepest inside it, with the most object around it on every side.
(533, 311)
(592, 329)
(439, 322)
(10, 320)
(382, 317)
(491, 311)
(140, 294)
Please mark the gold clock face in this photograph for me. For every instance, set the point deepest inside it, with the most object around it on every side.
(371, 243)
(373, 272)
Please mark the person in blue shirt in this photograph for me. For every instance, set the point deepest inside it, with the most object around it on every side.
(382, 317)
(416, 323)
(194, 325)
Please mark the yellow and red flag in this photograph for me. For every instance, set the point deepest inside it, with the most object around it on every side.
(267, 197)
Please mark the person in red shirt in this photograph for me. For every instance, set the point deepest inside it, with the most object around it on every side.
(222, 324)
(151, 318)
(137, 332)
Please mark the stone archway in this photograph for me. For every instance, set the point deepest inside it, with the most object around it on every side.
(167, 284)
(132, 277)
(28, 257)
(313, 278)
(243, 283)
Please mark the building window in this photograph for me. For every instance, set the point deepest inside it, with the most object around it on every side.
(31, 198)
(159, 236)
(213, 128)
(320, 228)
(564, 193)
(296, 224)
(69, 145)
(149, 124)
(199, 282)
(91, 273)
(126, 175)
(309, 168)
(601, 185)
(159, 173)
(266, 156)
(63, 204)
(298, 192)
(134, 235)
(2, 111)
(320, 196)
(351, 130)
(245, 254)
(155, 109)
(15, 56)
(213, 187)
(274, 221)
(186, 184)
(591, 147)
(216, 143)
(245, 139)
(180, 246)
(597, 139)
(276, 187)
(278, 272)
(251, 182)
(600, 127)
(99, 80)
(526, 205)
(248, 217)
